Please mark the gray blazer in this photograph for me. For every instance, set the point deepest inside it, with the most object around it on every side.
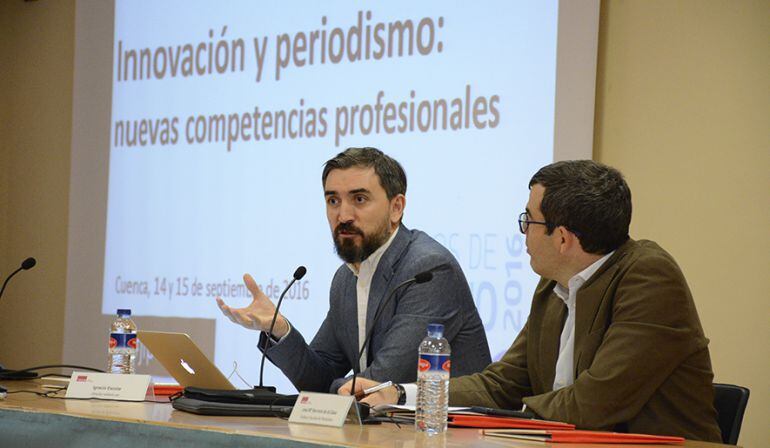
(392, 354)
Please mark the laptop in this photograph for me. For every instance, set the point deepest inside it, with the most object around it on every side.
(184, 360)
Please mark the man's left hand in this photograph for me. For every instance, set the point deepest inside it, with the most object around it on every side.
(389, 395)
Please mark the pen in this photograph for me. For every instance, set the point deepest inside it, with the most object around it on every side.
(373, 389)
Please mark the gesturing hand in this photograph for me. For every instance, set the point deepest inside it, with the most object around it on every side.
(258, 314)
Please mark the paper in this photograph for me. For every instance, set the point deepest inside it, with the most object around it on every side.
(321, 409)
(108, 386)
(403, 408)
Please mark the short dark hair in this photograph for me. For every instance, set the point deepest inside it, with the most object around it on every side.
(391, 174)
(589, 199)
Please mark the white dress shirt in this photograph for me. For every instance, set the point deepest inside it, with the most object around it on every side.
(364, 276)
(565, 363)
(363, 284)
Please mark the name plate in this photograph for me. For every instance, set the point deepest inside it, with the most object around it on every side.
(108, 386)
(322, 409)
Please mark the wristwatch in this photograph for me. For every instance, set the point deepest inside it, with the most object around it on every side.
(401, 394)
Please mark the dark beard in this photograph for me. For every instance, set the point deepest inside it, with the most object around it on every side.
(350, 252)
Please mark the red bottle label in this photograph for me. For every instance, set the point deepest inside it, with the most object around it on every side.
(123, 340)
(423, 365)
(434, 363)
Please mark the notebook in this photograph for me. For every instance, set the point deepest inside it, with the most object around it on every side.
(580, 436)
(488, 421)
(184, 360)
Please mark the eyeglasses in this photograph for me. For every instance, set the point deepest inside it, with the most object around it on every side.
(524, 222)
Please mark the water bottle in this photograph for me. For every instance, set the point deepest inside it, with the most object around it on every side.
(433, 382)
(122, 351)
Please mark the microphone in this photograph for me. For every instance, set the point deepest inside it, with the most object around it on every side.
(29, 263)
(422, 277)
(298, 274)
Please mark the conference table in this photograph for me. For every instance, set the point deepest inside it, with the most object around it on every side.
(29, 420)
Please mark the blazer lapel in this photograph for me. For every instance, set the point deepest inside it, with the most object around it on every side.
(589, 301)
(587, 305)
(553, 322)
(348, 324)
(381, 281)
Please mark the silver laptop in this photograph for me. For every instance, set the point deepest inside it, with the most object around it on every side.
(184, 360)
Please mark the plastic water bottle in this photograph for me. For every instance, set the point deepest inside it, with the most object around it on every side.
(433, 382)
(122, 351)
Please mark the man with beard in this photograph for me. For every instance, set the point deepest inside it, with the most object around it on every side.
(365, 200)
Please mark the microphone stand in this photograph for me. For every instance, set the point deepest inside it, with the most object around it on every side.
(422, 277)
(27, 264)
(298, 274)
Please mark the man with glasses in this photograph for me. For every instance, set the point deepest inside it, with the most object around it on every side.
(613, 340)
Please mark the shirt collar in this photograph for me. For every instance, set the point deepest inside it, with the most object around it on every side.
(581, 277)
(370, 264)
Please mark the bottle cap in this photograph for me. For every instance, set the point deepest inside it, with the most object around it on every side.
(435, 330)
(124, 312)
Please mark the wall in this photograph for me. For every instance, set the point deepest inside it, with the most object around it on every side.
(683, 109)
(36, 92)
(683, 106)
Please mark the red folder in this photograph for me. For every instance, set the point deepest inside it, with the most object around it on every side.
(579, 436)
(489, 421)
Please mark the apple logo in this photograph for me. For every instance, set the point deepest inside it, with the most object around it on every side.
(187, 367)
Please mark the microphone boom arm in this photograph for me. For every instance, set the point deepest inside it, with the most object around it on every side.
(298, 274)
(422, 277)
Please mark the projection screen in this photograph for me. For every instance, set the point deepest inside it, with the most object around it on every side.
(200, 130)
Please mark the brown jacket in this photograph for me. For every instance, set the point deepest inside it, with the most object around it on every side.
(641, 359)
